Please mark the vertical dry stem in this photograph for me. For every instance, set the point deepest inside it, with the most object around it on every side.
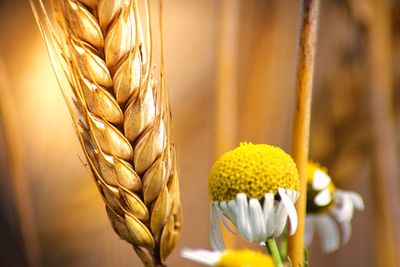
(19, 181)
(386, 185)
(226, 107)
(301, 125)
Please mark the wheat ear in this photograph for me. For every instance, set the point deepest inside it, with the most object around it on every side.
(103, 58)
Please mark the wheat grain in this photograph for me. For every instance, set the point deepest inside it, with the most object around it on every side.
(120, 108)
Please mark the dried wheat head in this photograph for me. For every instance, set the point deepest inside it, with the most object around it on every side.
(103, 54)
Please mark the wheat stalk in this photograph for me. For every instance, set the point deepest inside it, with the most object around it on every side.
(301, 123)
(103, 58)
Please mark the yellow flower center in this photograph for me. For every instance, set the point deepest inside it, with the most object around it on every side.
(312, 193)
(253, 170)
(245, 258)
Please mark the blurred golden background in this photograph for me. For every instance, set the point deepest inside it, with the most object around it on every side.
(354, 120)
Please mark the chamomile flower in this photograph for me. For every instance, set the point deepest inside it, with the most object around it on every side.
(255, 187)
(325, 205)
(240, 258)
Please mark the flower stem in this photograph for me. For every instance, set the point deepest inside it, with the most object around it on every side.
(274, 251)
(283, 245)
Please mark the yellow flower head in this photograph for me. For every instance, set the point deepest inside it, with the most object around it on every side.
(245, 258)
(253, 170)
(320, 188)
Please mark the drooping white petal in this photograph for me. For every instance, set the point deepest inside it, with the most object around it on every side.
(328, 233)
(228, 211)
(290, 209)
(202, 256)
(269, 213)
(224, 219)
(295, 195)
(216, 241)
(309, 230)
(344, 206)
(323, 198)
(346, 231)
(320, 180)
(257, 221)
(289, 194)
(338, 196)
(358, 202)
(280, 219)
(232, 207)
(242, 217)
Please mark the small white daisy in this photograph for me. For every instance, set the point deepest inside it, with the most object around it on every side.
(255, 187)
(227, 258)
(325, 205)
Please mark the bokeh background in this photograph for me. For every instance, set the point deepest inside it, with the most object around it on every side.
(355, 120)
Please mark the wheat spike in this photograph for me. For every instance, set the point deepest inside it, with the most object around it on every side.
(121, 113)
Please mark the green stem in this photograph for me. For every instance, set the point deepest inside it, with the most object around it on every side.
(274, 251)
(283, 245)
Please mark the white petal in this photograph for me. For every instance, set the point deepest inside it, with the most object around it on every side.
(344, 207)
(346, 231)
(358, 202)
(289, 194)
(280, 219)
(328, 232)
(216, 241)
(257, 221)
(268, 210)
(323, 198)
(242, 217)
(320, 180)
(295, 195)
(224, 219)
(232, 207)
(203, 256)
(309, 230)
(228, 211)
(290, 209)
(338, 196)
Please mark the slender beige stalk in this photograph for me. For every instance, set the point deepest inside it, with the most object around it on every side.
(302, 117)
(19, 181)
(226, 107)
(386, 184)
(104, 60)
